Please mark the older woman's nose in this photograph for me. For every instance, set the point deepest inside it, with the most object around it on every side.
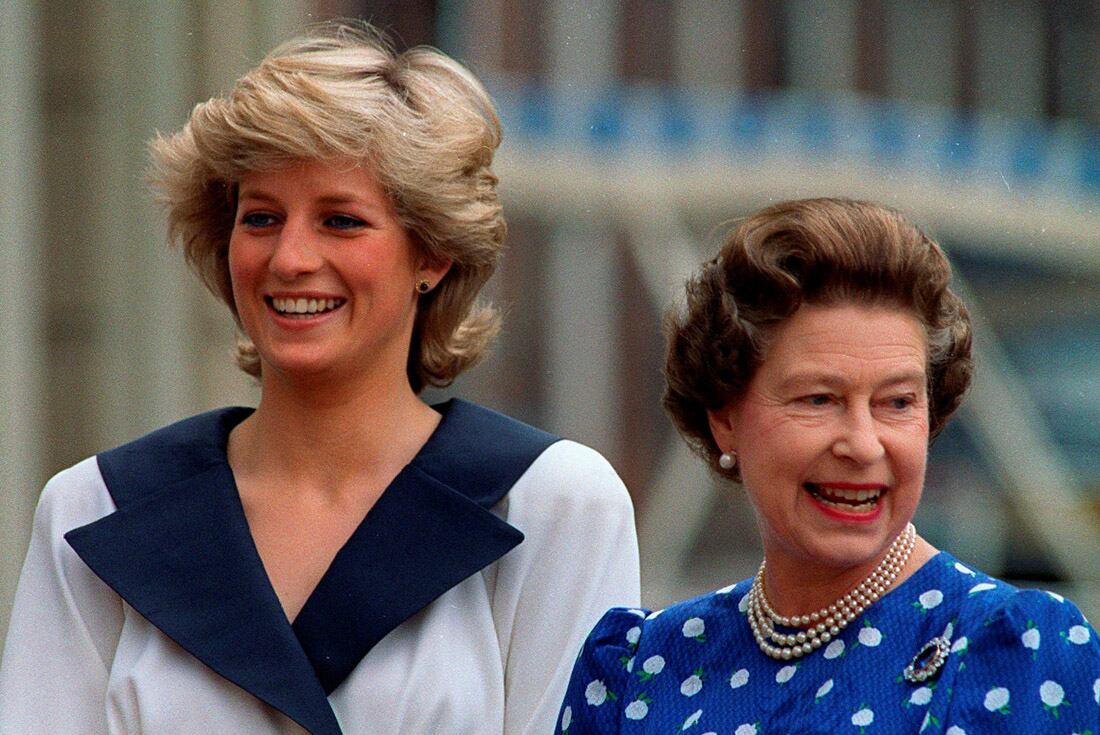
(295, 253)
(859, 439)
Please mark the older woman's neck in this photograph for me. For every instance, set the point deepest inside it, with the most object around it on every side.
(796, 588)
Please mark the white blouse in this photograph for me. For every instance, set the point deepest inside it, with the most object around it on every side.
(435, 618)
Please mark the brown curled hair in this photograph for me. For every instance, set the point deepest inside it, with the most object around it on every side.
(811, 251)
(420, 120)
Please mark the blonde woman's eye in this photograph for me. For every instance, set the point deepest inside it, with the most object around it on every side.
(344, 222)
(258, 219)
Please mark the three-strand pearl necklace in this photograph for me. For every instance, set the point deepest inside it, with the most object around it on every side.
(818, 628)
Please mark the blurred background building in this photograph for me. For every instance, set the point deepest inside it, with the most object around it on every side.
(634, 132)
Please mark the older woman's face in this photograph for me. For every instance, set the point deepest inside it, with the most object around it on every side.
(832, 434)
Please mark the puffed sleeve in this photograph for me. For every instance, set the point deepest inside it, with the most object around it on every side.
(1033, 666)
(65, 622)
(601, 675)
(579, 557)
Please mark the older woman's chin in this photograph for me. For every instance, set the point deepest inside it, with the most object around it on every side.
(819, 536)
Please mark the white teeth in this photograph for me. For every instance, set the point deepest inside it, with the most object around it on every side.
(303, 305)
(858, 501)
(861, 508)
(856, 495)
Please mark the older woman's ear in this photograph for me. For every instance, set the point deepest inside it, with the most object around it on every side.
(722, 423)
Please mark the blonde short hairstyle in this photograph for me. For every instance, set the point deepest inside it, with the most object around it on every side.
(422, 122)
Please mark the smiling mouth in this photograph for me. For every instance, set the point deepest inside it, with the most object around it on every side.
(302, 308)
(847, 499)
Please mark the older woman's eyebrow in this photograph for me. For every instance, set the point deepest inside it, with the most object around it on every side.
(920, 377)
(810, 379)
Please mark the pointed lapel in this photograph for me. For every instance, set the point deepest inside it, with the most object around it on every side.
(430, 530)
(180, 553)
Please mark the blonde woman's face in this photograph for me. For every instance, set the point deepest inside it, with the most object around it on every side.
(832, 435)
(323, 272)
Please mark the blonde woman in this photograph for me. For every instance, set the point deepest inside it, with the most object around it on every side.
(344, 557)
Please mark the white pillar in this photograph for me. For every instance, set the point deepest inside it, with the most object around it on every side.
(22, 328)
(126, 343)
(161, 333)
(581, 373)
(116, 312)
(150, 337)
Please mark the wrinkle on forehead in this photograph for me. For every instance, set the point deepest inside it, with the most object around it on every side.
(846, 344)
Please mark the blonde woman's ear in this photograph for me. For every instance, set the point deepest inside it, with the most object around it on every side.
(432, 269)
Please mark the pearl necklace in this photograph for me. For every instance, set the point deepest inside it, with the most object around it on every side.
(818, 628)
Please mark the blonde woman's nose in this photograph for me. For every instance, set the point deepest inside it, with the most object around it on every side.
(294, 253)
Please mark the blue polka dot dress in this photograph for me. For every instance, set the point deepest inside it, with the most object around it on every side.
(1018, 661)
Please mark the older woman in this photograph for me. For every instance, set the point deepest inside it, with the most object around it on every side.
(345, 557)
(819, 353)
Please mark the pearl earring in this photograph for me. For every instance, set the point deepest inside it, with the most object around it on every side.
(727, 460)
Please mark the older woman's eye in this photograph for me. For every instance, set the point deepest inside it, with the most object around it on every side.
(818, 399)
(900, 403)
(344, 222)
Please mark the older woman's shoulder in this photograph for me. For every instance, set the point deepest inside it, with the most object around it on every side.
(626, 626)
(1032, 617)
(993, 609)
(1009, 602)
(706, 619)
(983, 590)
(1021, 660)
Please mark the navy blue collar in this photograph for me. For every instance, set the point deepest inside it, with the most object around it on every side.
(178, 550)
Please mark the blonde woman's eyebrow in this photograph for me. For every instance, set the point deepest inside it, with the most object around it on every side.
(327, 200)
